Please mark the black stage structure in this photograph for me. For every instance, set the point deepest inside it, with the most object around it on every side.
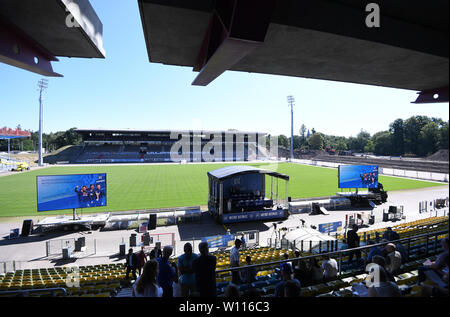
(239, 194)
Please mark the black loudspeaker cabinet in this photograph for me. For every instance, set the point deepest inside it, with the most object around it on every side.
(385, 217)
(392, 209)
(27, 227)
(151, 222)
(289, 199)
(372, 220)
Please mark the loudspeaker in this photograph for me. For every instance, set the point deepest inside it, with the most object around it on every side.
(27, 227)
(122, 249)
(289, 199)
(372, 220)
(392, 209)
(385, 216)
(146, 239)
(133, 240)
(151, 222)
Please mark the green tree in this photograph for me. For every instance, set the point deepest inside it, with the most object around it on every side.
(382, 143)
(443, 136)
(428, 139)
(398, 141)
(370, 147)
(283, 141)
(341, 145)
(316, 141)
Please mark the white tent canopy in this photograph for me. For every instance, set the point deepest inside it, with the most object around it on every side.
(295, 237)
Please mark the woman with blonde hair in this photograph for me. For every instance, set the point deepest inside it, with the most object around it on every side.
(146, 285)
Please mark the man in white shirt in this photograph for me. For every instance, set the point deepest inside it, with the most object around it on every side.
(393, 258)
(234, 261)
(330, 268)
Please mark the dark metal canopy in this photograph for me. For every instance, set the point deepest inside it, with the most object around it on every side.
(321, 39)
(231, 171)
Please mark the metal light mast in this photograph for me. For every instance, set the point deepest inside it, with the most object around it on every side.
(291, 102)
(42, 85)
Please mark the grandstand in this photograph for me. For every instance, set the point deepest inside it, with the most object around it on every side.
(151, 146)
(421, 239)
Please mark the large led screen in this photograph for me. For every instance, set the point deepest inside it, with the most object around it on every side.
(358, 176)
(58, 192)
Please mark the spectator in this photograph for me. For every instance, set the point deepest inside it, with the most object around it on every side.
(301, 273)
(438, 267)
(187, 276)
(244, 241)
(403, 251)
(231, 291)
(204, 268)
(390, 235)
(286, 274)
(131, 263)
(166, 272)
(234, 261)
(285, 257)
(381, 286)
(142, 258)
(156, 252)
(316, 271)
(249, 274)
(292, 289)
(393, 259)
(379, 250)
(353, 242)
(381, 261)
(145, 285)
(330, 268)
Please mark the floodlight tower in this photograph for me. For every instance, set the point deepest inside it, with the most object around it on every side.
(42, 85)
(291, 102)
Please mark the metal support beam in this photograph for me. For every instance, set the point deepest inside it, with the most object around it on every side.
(433, 96)
(235, 29)
(17, 49)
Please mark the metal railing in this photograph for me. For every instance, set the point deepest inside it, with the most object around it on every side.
(341, 253)
(25, 292)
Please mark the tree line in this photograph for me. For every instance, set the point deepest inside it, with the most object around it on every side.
(51, 141)
(417, 135)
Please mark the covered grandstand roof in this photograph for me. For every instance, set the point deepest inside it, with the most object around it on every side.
(321, 39)
(230, 171)
(163, 131)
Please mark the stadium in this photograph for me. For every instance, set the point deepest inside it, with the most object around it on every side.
(74, 221)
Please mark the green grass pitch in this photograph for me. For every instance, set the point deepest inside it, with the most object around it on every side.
(134, 187)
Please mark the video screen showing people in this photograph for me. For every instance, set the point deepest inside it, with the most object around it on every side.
(358, 176)
(59, 192)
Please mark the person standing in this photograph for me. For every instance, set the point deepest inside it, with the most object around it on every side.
(187, 275)
(142, 258)
(145, 285)
(353, 241)
(131, 263)
(166, 272)
(244, 241)
(204, 268)
(156, 252)
(234, 261)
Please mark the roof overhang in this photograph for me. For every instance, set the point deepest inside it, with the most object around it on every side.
(46, 29)
(227, 172)
(320, 39)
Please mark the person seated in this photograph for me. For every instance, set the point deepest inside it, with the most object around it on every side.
(438, 267)
(330, 268)
(436, 290)
(381, 261)
(316, 272)
(390, 235)
(286, 275)
(292, 289)
(248, 275)
(393, 259)
(231, 291)
(379, 250)
(381, 286)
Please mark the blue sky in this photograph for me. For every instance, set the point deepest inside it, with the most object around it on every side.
(126, 91)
